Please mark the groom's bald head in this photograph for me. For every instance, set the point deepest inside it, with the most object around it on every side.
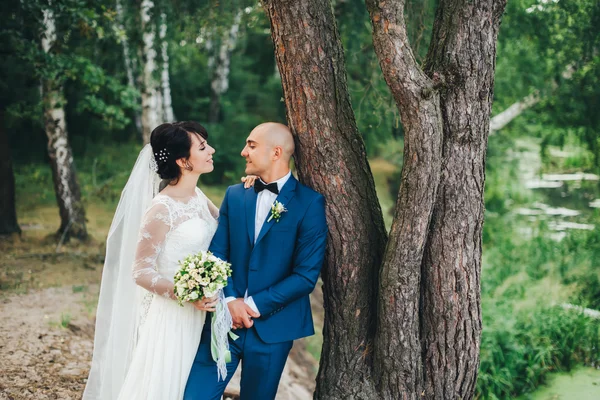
(274, 135)
(268, 151)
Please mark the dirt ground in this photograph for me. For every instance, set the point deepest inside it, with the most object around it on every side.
(47, 305)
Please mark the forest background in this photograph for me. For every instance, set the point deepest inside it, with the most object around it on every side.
(117, 69)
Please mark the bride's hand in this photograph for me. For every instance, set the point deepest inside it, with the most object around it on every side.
(249, 181)
(207, 304)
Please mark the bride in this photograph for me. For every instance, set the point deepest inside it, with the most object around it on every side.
(145, 343)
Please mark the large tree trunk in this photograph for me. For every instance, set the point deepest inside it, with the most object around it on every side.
(331, 158)
(219, 63)
(8, 213)
(463, 54)
(398, 347)
(428, 321)
(151, 93)
(68, 196)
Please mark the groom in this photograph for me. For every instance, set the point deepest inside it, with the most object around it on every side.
(276, 259)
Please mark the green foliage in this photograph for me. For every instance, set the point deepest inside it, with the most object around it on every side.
(376, 112)
(552, 47)
(101, 175)
(254, 94)
(518, 353)
(94, 89)
(65, 319)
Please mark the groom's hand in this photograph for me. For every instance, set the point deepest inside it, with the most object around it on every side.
(241, 314)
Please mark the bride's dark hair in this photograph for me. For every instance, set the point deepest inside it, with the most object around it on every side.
(172, 141)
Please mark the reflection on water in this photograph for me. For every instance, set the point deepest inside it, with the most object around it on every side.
(567, 200)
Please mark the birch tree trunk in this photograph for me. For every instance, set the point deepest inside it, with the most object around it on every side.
(331, 158)
(129, 61)
(8, 213)
(220, 66)
(167, 105)
(151, 93)
(68, 196)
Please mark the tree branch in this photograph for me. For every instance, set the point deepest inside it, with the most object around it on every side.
(505, 117)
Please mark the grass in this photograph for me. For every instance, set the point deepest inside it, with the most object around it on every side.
(65, 319)
(79, 288)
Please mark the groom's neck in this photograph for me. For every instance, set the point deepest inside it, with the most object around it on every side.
(274, 175)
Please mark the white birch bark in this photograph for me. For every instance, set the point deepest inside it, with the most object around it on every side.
(127, 58)
(220, 65)
(168, 114)
(220, 82)
(151, 94)
(67, 190)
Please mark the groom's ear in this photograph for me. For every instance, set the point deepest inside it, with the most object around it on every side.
(278, 152)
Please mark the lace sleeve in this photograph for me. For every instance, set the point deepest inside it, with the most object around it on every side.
(153, 232)
(214, 210)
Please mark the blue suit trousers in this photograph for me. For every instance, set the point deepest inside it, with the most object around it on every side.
(262, 366)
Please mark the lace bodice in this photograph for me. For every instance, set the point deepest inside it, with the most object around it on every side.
(170, 231)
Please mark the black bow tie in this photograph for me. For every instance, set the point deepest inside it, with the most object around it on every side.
(259, 186)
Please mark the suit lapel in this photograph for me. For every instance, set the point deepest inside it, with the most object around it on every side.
(287, 193)
(250, 200)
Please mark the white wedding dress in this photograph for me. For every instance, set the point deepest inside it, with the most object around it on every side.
(168, 334)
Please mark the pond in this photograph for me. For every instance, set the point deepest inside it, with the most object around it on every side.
(564, 201)
(582, 383)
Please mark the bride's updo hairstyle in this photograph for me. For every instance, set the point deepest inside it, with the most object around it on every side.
(172, 141)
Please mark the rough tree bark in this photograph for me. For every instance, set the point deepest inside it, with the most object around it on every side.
(460, 64)
(331, 158)
(398, 348)
(68, 196)
(8, 213)
(422, 340)
(463, 54)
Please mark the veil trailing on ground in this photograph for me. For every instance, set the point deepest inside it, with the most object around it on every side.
(120, 303)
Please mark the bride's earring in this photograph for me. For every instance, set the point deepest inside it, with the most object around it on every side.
(188, 166)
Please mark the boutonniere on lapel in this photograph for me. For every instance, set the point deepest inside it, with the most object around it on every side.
(276, 210)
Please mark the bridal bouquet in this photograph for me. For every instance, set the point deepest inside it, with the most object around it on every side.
(200, 275)
(204, 275)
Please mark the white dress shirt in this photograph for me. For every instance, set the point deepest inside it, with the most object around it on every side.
(264, 201)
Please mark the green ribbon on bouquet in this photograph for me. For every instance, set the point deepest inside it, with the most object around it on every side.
(213, 341)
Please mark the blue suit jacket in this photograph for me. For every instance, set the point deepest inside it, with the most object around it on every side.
(282, 267)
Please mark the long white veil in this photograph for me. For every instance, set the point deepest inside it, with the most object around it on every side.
(119, 305)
